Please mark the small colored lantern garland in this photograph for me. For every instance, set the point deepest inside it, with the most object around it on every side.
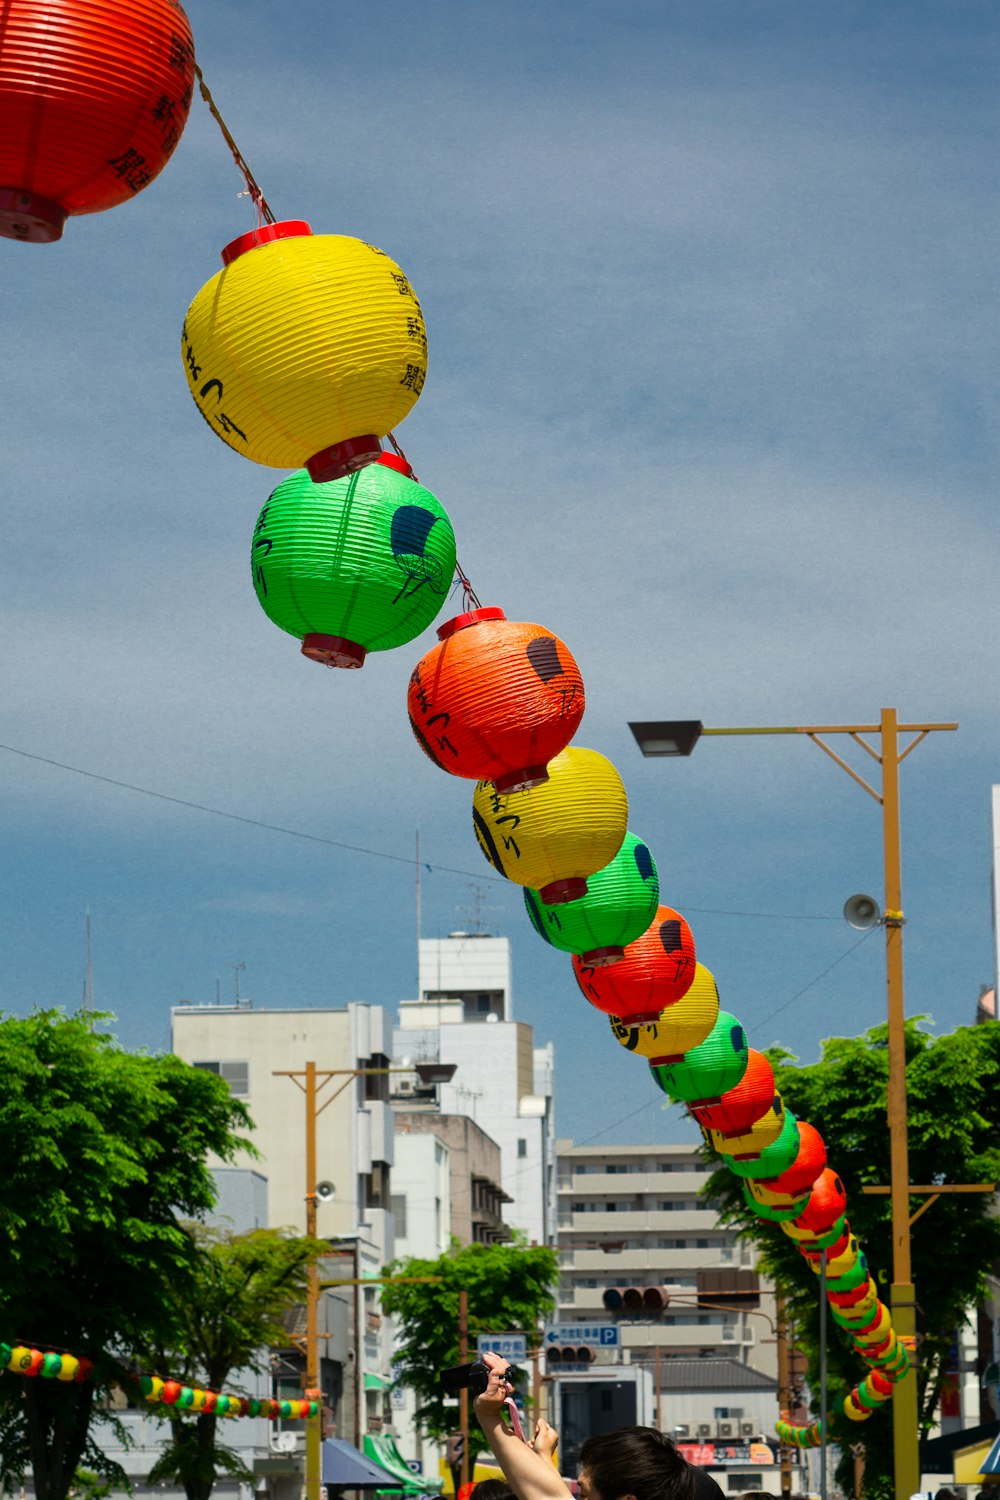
(22, 1359)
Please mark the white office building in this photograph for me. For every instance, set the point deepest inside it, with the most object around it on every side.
(502, 1081)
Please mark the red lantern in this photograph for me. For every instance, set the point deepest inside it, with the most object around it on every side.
(827, 1202)
(171, 1390)
(742, 1106)
(849, 1299)
(657, 970)
(93, 98)
(806, 1167)
(496, 700)
(211, 1401)
(832, 1251)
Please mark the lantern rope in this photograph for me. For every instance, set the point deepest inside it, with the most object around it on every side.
(470, 599)
(254, 191)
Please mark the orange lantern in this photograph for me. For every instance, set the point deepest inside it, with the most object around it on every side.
(678, 1028)
(657, 969)
(742, 1105)
(806, 1167)
(93, 97)
(827, 1202)
(496, 700)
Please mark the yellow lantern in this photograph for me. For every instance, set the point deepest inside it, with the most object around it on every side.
(551, 837)
(70, 1365)
(762, 1132)
(305, 349)
(679, 1027)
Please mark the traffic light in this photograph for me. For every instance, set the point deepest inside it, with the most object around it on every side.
(636, 1299)
(570, 1354)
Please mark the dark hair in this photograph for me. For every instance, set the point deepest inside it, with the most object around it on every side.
(636, 1461)
(493, 1489)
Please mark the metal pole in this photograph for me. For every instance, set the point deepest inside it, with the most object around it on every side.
(822, 1374)
(784, 1393)
(656, 1387)
(463, 1397)
(313, 1435)
(905, 1441)
(359, 1384)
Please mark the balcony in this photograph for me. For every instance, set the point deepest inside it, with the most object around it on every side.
(640, 1220)
(663, 1263)
(627, 1184)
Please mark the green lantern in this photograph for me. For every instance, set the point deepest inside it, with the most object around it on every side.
(620, 904)
(356, 565)
(51, 1365)
(850, 1279)
(776, 1214)
(709, 1070)
(186, 1397)
(773, 1159)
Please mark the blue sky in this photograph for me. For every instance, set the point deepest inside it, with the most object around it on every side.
(711, 300)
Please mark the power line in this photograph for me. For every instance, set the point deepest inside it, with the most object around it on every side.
(316, 838)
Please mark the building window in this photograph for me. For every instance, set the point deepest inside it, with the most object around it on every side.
(722, 1413)
(740, 1482)
(376, 1084)
(522, 1146)
(236, 1074)
(398, 1202)
(377, 1186)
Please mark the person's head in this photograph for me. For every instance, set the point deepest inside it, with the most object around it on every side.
(493, 1489)
(636, 1461)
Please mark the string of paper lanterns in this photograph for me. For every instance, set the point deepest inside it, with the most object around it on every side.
(22, 1359)
(302, 353)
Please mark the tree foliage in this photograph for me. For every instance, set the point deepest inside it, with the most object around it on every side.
(104, 1153)
(953, 1105)
(227, 1316)
(509, 1289)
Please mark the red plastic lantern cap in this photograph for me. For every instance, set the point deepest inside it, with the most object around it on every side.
(495, 701)
(93, 97)
(333, 650)
(655, 971)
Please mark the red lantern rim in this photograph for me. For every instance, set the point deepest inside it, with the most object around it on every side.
(471, 617)
(396, 461)
(29, 217)
(284, 229)
(333, 651)
(558, 892)
(521, 781)
(602, 958)
(343, 458)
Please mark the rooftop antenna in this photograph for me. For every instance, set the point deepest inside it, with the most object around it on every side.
(476, 909)
(238, 969)
(88, 983)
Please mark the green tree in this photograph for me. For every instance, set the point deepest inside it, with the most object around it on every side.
(509, 1289)
(953, 1105)
(104, 1155)
(227, 1315)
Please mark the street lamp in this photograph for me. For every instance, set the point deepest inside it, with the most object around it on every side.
(313, 1082)
(679, 737)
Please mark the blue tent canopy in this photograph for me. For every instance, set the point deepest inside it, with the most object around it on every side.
(344, 1468)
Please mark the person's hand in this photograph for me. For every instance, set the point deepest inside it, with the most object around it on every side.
(545, 1439)
(490, 1405)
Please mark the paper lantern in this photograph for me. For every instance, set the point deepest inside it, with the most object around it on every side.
(709, 1070)
(773, 1158)
(749, 1145)
(85, 1369)
(619, 905)
(741, 1105)
(51, 1366)
(496, 699)
(68, 1366)
(24, 1360)
(678, 1027)
(854, 1275)
(762, 1193)
(93, 97)
(361, 564)
(808, 1164)
(552, 837)
(305, 349)
(656, 970)
(827, 1202)
(186, 1396)
(170, 1393)
(151, 1387)
(836, 1265)
(775, 1212)
(804, 1235)
(812, 1252)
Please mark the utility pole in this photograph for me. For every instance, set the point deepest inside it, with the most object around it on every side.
(463, 1395)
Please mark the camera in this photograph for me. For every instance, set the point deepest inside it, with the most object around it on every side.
(474, 1378)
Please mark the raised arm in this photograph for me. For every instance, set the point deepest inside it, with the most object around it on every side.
(530, 1475)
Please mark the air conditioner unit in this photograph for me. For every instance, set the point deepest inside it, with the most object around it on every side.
(405, 1086)
(747, 1429)
(704, 1429)
(726, 1429)
(682, 1430)
(284, 1442)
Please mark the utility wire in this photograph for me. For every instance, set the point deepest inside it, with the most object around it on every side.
(316, 838)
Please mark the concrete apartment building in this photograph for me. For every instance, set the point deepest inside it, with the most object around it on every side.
(447, 1173)
(255, 1050)
(630, 1217)
(503, 1082)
